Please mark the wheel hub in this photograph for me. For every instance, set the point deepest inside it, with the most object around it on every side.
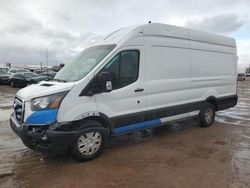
(209, 115)
(89, 143)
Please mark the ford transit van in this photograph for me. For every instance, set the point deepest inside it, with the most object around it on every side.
(135, 78)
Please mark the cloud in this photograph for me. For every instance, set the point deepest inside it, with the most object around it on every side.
(22, 26)
(223, 23)
(65, 27)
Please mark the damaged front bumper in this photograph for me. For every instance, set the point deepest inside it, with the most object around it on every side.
(43, 140)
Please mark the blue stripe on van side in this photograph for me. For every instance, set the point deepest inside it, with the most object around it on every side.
(42, 117)
(136, 126)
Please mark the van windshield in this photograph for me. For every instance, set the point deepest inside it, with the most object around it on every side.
(84, 63)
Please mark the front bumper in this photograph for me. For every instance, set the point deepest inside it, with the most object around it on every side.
(45, 141)
(4, 80)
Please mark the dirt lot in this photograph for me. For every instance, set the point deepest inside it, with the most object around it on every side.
(179, 154)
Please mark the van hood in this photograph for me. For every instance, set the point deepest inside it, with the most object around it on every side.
(43, 88)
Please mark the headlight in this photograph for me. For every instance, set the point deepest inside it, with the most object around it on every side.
(47, 102)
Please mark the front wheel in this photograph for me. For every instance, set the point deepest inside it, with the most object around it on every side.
(89, 143)
(207, 115)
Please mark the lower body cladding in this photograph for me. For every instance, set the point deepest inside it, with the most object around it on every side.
(4, 80)
(127, 123)
(154, 122)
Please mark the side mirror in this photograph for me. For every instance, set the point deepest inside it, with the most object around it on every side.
(101, 83)
(104, 81)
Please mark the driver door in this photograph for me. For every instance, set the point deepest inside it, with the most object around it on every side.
(125, 102)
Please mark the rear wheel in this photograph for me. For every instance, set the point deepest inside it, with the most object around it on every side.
(207, 115)
(89, 143)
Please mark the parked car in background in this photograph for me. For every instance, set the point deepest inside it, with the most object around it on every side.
(14, 71)
(242, 76)
(25, 78)
(29, 69)
(48, 75)
(4, 76)
(5, 68)
(39, 71)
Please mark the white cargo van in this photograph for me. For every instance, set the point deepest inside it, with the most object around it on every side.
(135, 78)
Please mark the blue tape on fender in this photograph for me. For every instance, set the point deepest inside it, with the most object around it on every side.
(42, 117)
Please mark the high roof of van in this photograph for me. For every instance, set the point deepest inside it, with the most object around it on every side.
(164, 30)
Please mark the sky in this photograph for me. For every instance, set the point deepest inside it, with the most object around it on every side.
(28, 27)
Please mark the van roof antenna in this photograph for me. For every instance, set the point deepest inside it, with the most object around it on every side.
(149, 22)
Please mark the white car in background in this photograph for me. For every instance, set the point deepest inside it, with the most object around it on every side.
(241, 76)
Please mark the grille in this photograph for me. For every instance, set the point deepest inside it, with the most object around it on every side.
(18, 109)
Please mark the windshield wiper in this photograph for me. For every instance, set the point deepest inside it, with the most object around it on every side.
(59, 80)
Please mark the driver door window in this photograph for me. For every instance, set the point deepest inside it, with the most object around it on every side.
(123, 68)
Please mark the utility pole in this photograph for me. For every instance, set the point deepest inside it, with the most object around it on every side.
(47, 59)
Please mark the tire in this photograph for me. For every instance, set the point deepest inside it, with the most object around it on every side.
(90, 142)
(207, 115)
(12, 84)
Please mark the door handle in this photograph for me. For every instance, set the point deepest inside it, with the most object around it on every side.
(139, 90)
